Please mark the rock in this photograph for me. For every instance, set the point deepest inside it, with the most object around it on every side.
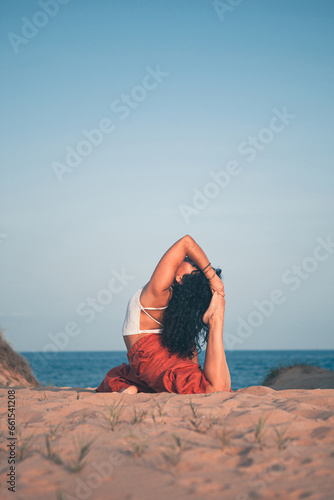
(300, 377)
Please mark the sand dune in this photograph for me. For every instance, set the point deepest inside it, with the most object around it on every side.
(252, 443)
(300, 377)
(14, 368)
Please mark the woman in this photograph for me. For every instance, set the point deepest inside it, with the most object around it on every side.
(185, 297)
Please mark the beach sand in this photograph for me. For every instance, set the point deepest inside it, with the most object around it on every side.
(253, 443)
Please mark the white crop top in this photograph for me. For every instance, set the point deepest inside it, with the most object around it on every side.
(131, 324)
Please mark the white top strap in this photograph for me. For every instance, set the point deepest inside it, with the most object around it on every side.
(151, 317)
(154, 308)
(144, 309)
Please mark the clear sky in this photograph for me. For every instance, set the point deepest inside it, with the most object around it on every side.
(128, 124)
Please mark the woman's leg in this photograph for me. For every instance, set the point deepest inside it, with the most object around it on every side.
(215, 366)
(122, 378)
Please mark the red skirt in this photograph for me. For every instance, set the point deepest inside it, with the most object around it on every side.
(152, 368)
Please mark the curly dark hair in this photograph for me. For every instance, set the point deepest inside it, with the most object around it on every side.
(184, 330)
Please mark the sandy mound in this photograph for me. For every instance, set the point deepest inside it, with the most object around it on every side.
(14, 369)
(300, 377)
(254, 443)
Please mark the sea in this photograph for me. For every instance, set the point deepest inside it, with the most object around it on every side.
(88, 368)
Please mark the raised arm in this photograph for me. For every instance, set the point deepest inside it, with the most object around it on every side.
(165, 272)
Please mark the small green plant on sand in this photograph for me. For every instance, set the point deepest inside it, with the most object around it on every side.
(83, 450)
(115, 411)
(174, 453)
(281, 440)
(138, 416)
(50, 453)
(211, 421)
(53, 431)
(195, 421)
(223, 435)
(259, 434)
(194, 412)
(160, 406)
(23, 447)
(138, 444)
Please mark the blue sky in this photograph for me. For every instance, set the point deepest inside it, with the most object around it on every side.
(197, 91)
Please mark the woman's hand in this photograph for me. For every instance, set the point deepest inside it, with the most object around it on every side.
(217, 285)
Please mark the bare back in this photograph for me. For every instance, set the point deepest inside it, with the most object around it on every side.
(146, 323)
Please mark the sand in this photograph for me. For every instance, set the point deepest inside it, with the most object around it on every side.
(254, 443)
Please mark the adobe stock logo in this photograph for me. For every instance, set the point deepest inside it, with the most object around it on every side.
(122, 108)
(30, 27)
(88, 309)
(227, 6)
(292, 278)
(249, 149)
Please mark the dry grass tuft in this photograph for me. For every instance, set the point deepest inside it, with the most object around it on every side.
(115, 411)
(223, 436)
(259, 433)
(14, 362)
(138, 444)
(138, 416)
(23, 447)
(51, 455)
(160, 406)
(281, 439)
(195, 421)
(78, 464)
(173, 453)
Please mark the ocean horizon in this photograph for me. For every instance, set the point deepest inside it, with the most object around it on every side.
(88, 368)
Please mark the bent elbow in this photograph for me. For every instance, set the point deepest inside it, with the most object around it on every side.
(188, 240)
